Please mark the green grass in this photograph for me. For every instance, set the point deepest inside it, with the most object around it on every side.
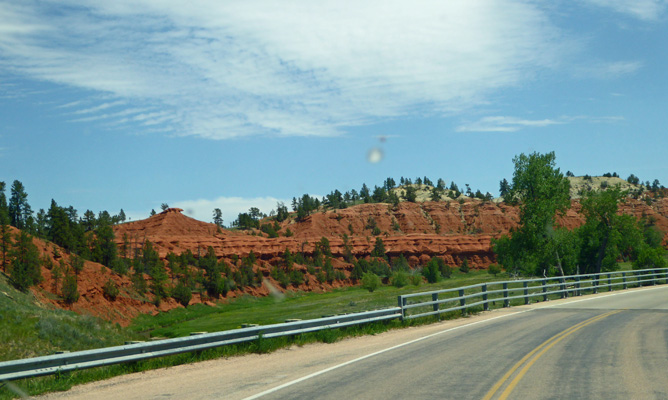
(30, 329)
(271, 310)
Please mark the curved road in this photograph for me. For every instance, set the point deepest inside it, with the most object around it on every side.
(605, 346)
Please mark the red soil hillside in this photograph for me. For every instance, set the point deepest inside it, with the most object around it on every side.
(451, 230)
(90, 283)
(446, 229)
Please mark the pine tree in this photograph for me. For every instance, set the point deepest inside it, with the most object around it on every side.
(218, 217)
(25, 265)
(20, 213)
(5, 237)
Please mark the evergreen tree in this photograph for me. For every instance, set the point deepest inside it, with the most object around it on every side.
(121, 216)
(504, 186)
(104, 246)
(365, 194)
(89, 222)
(379, 249)
(5, 237)
(441, 184)
(164, 206)
(218, 217)
(411, 194)
(20, 213)
(58, 227)
(281, 212)
(25, 265)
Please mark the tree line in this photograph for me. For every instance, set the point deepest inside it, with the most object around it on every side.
(539, 246)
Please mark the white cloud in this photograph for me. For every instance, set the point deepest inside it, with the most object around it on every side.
(514, 124)
(649, 10)
(505, 124)
(227, 69)
(231, 207)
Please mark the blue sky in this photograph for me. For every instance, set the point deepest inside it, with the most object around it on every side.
(130, 104)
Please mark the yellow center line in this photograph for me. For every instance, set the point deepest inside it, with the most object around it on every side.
(541, 349)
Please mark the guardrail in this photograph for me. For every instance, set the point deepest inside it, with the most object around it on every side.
(449, 300)
(505, 294)
(66, 362)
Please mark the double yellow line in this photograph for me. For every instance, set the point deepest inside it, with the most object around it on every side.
(529, 359)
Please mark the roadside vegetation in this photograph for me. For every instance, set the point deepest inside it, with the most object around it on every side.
(537, 247)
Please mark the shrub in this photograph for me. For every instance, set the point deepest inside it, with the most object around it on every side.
(370, 281)
(464, 268)
(70, 289)
(494, 269)
(431, 271)
(416, 279)
(296, 277)
(182, 294)
(110, 290)
(399, 279)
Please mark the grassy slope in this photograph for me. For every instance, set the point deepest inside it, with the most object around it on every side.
(269, 310)
(31, 329)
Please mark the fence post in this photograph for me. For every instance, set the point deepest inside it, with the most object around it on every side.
(563, 288)
(462, 301)
(526, 292)
(506, 303)
(577, 285)
(654, 278)
(594, 284)
(544, 289)
(609, 283)
(624, 281)
(434, 297)
(485, 305)
(402, 304)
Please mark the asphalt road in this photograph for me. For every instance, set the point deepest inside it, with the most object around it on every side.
(606, 346)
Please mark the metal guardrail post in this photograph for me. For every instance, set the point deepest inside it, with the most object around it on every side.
(485, 306)
(625, 286)
(506, 303)
(577, 286)
(563, 288)
(434, 297)
(462, 301)
(526, 292)
(594, 284)
(609, 283)
(544, 289)
(402, 304)
(653, 278)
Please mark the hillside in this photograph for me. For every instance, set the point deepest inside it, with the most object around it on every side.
(453, 230)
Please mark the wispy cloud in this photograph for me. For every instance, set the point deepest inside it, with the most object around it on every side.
(649, 10)
(514, 124)
(227, 69)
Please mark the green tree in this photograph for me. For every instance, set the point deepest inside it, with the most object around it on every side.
(25, 265)
(70, 289)
(370, 281)
(410, 194)
(606, 235)
(104, 246)
(379, 249)
(5, 236)
(20, 213)
(218, 217)
(541, 192)
(58, 227)
(281, 212)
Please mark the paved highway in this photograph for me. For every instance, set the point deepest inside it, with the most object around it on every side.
(606, 346)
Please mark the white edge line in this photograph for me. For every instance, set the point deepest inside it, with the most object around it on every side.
(324, 371)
